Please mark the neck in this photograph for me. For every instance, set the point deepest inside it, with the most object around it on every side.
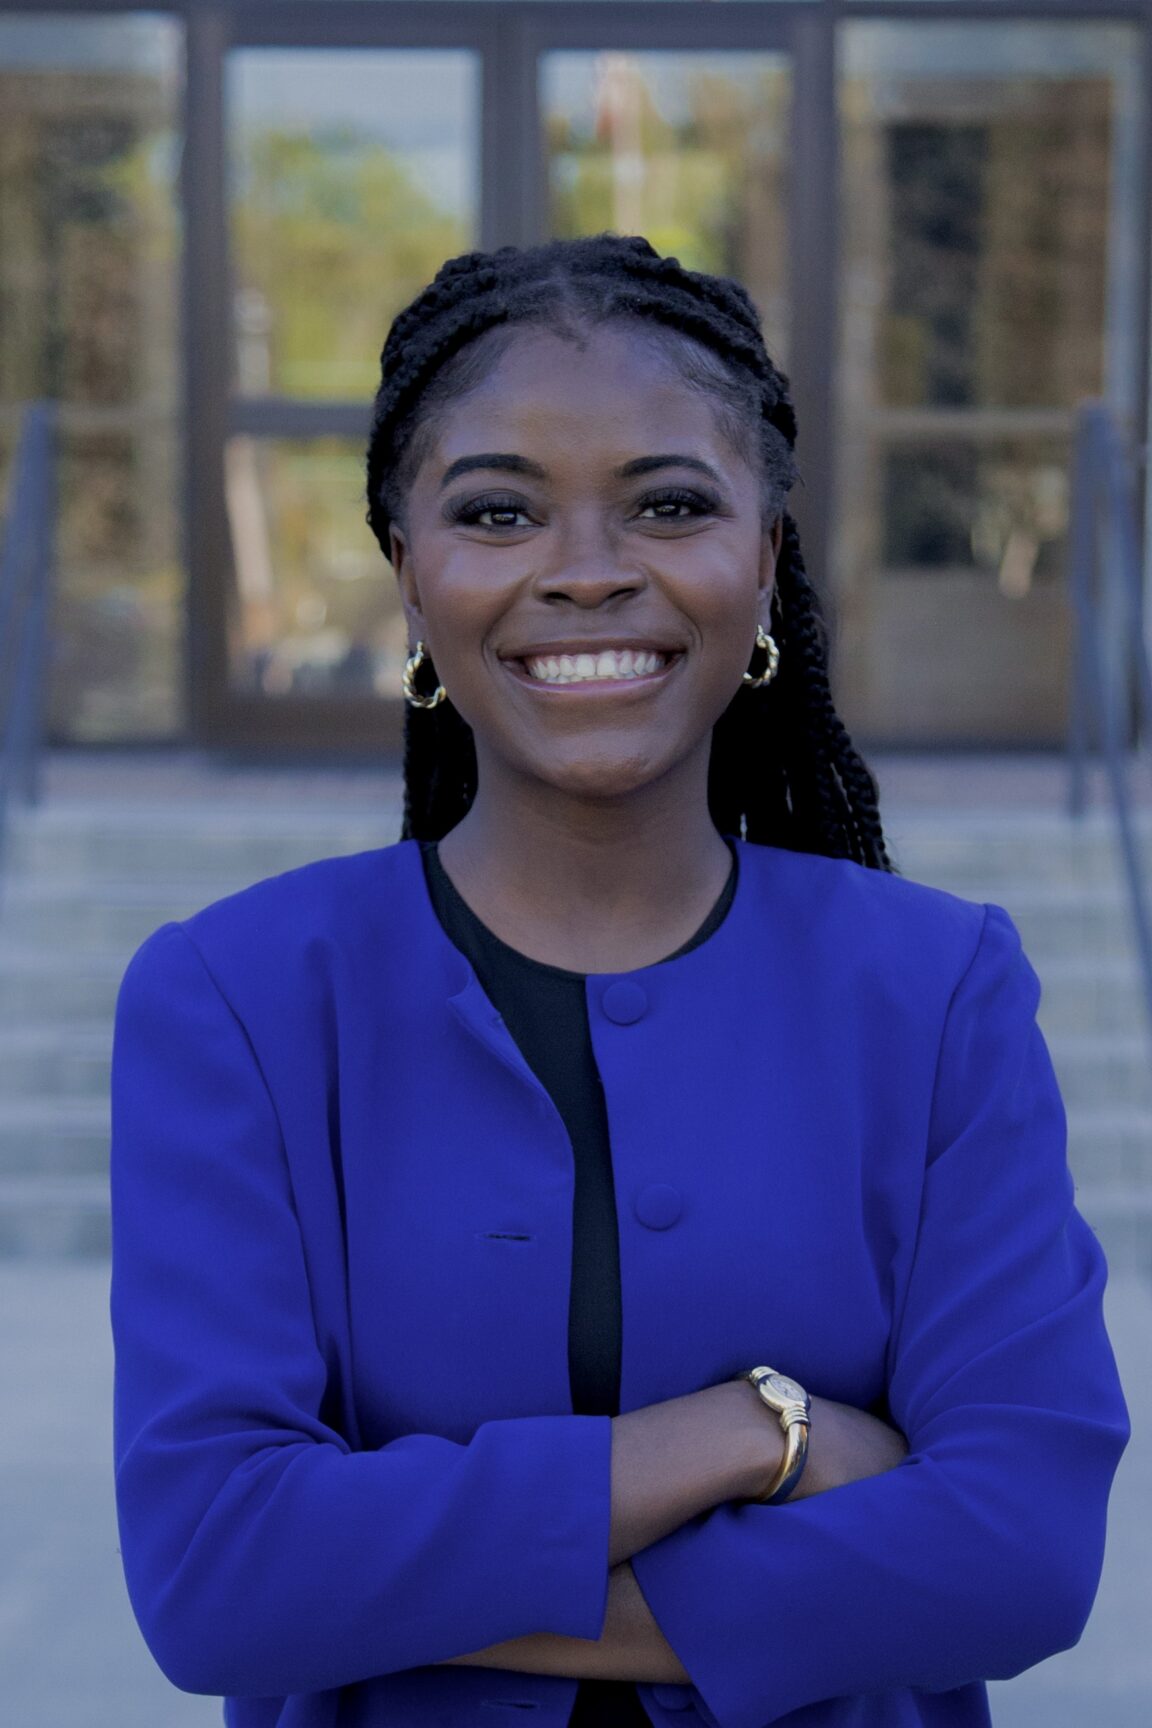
(591, 885)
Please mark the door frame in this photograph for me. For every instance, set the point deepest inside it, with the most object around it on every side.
(509, 39)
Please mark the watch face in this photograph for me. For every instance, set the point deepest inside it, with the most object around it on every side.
(787, 1388)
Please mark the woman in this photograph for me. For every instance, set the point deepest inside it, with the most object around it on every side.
(460, 1185)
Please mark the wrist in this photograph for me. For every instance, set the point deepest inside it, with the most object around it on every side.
(760, 1441)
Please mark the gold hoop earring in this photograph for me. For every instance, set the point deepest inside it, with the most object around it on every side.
(763, 640)
(412, 665)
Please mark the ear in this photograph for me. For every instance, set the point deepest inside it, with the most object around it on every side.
(405, 579)
(770, 544)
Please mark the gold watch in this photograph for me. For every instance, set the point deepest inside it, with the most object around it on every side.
(791, 1405)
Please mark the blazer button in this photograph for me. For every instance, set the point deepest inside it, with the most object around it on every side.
(673, 1697)
(658, 1205)
(624, 1001)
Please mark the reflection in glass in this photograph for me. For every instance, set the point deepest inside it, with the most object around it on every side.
(954, 505)
(687, 149)
(318, 611)
(988, 277)
(353, 177)
(88, 298)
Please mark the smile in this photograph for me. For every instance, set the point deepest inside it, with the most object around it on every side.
(607, 671)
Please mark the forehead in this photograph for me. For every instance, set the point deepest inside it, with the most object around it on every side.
(613, 391)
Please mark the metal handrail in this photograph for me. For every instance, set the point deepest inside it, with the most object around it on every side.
(26, 573)
(1112, 678)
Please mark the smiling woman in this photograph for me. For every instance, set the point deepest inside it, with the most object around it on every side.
(610, 1253)
(586, 356)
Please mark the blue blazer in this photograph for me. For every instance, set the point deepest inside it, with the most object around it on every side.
(341, 1241)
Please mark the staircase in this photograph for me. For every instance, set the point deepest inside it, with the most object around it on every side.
(1062, 884)
(85, 883)
(89, 877)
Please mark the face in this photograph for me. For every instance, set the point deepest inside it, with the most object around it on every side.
(583, 498)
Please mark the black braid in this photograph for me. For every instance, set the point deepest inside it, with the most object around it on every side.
(783, 770)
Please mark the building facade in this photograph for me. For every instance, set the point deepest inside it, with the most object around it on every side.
(209, 214)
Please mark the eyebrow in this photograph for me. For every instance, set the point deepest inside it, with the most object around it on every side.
(646, 465)
(493, 459)
(509, 463)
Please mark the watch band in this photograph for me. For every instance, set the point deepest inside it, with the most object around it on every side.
(791, 1405)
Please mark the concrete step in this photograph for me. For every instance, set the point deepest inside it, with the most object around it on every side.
(988, 878)
(995, 846)
(1110, 1145)
(38, 984)
(1092, 994)
(1104, 1069)
(58, 1060)
(94, 917)
(54, 1217)
(42, 1135)
(155, 840)
(1055, 924)
(154, 844)
(91, 917)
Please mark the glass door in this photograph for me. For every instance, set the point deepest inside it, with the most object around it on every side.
(350, 172)
(991, 178)
(90, 113)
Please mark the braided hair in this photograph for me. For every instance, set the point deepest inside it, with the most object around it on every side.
(783, 770)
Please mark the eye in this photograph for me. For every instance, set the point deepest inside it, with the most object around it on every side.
(470, 512)
(677, 504)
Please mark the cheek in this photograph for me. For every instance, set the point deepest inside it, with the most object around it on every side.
(465, 617)
(463, 602)
(722, 601)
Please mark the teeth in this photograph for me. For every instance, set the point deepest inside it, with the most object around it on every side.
(578, 668)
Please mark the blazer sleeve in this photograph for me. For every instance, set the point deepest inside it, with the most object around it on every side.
(980, 1554)
(262, 1555)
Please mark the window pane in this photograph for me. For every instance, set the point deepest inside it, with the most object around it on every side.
(687, 149)
(987, 173)
(119, 630)
(999, 508)
(353, 177)
(88, 297)
(318, 610)
(989, 286)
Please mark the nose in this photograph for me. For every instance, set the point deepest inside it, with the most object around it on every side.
(586, 568)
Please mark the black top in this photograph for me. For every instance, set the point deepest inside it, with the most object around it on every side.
(546, 1011)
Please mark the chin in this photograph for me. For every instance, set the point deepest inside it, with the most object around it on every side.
(602, 777)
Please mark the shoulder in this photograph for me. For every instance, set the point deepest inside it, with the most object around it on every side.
(871, 923)
(839, 888)
(320, 889)
(276, 930)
